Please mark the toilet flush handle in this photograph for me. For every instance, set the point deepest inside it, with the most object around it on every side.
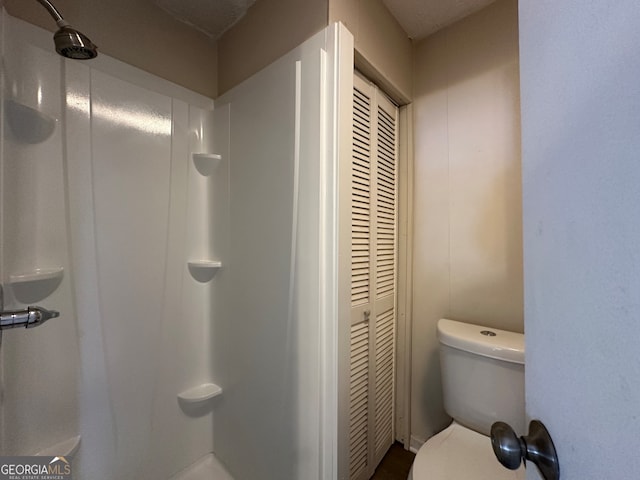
(537, 447)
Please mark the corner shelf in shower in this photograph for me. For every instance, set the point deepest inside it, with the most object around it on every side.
(200, 394)
(28, 124)
(204, 270)
(37, 275)
(205, 264)
(66, 448)
(35, 285)
(206, 163)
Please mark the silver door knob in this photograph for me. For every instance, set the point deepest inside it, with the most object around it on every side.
(537, 447)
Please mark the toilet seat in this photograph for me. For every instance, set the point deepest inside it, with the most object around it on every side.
(459, 453)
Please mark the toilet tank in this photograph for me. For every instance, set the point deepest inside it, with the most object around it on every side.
(482, 375)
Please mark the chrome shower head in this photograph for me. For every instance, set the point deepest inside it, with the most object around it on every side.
(72, 44)
(69, 42)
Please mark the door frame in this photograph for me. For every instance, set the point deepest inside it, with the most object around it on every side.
(342, 133)
(405, 276)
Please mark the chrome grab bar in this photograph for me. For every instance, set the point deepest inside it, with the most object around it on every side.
(29, 317)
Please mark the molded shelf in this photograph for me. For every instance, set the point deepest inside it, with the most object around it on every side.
(204, 270)
(66, 448)
(37, 284)
(205, 264)
(28, 124)
(37, 275)
(201, 393)
(206, 163)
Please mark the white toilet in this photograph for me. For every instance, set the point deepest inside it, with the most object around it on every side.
(482, 382)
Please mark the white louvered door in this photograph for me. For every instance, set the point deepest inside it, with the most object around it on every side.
(373, 277)
(361, 282)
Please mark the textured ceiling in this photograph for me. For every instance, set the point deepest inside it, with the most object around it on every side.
(211, 17)
(420, 18)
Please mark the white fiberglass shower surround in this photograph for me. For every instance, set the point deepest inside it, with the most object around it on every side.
(193, 255)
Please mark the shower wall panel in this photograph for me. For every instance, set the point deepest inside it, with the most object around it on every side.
(40, 366)
(110, 197)
(275, 316)
(154, 316)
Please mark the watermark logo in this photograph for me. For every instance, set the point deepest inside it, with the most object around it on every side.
(35, 468)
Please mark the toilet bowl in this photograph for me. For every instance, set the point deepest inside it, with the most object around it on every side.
(483, 382)
(460, 453)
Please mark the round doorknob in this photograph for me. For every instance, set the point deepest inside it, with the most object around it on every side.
(506, 445)
(537, 447)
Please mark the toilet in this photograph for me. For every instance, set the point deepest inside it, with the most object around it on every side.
(482, 382)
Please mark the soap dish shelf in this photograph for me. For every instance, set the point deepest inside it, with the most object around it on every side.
(204, 270)
(200, 394)
(205, 264)
(35, 285)
(206, 163)
(66, 448)
(37, 275)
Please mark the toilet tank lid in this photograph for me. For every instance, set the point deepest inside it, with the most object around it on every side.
(498, 344)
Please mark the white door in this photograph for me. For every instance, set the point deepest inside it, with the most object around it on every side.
(580, 80)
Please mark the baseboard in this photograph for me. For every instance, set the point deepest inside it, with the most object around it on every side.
(415, 444)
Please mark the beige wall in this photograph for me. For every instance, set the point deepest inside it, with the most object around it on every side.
(467, 220)
(139, 33)
(270, 29)
(383, 50)
(273, 27)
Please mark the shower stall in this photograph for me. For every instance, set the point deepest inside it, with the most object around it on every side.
(192, 251)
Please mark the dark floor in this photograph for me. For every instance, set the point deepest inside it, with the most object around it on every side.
(395, 465)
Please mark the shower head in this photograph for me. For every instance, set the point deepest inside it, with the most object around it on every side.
(69, 42)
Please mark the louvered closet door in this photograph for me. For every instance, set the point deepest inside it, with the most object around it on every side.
(373, 277)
